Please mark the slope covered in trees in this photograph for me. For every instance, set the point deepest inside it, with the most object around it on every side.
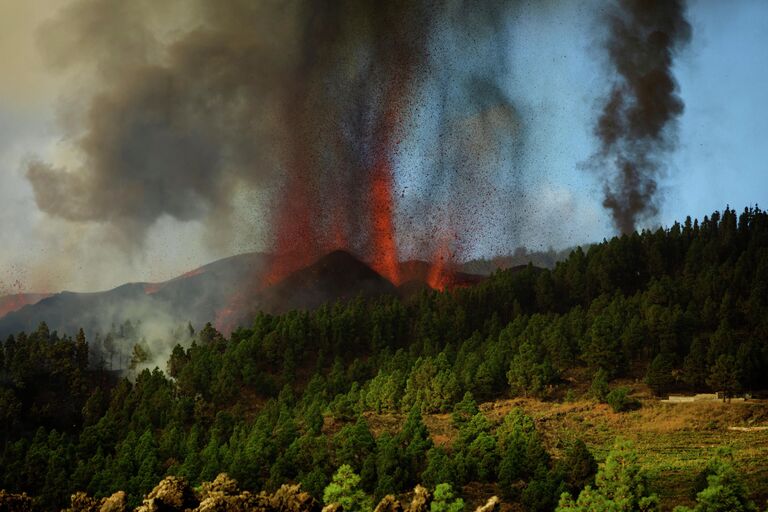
(286, 398)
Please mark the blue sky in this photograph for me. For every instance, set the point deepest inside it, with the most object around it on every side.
(723, 76)
(555, 81)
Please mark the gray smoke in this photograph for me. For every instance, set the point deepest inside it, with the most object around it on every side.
(637, 123)
(182, 104)
(186, 102)
(170, 120)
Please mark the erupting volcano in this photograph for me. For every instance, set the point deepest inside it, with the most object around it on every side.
(351, 106)
(394, 131)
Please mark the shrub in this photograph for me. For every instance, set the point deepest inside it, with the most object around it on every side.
(599, 387)
(620, 401)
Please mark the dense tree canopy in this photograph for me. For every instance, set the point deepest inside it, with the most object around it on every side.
(286, 398)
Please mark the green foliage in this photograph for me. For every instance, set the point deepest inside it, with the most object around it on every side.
(432, 385)
(601, 348)
(725, 490)
(344, 489)
(440, 468)
(599, 388)
(620, 401)
(620, 486)
(530, 370)
(139, 356)
(724, 376)
(541, 493)
(522, 452)
(689, 301)
(659, 377)
(578, 466)
(356, 447)
(414, 443)
(464, 411)
(475, 451)
(444, 500)
(390, 475)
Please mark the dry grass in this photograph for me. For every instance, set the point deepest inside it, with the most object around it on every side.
(674, 441)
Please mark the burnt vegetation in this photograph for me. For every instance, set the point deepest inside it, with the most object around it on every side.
(291, 397)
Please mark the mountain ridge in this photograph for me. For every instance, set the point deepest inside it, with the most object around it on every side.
(227, 291)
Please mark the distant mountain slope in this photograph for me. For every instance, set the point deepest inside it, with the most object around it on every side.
(14, 302)
(193, 297)
(227, 293)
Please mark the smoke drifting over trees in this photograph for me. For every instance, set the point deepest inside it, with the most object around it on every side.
(637, 123)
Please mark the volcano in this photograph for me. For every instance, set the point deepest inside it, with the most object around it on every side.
(336, 276)
(227, 292)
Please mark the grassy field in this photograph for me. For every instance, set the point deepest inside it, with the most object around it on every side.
(674, 441)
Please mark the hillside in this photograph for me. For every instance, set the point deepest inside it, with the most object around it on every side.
(14, 302)
(227, 292)
(193, 297)
(514, 386)
(674, 442)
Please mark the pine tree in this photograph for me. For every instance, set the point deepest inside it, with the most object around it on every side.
(725, 490)
(578, 466)
(464, 411)
(81, 351)
(599, 388)
(620, 486)
(344, 489)
(659, 377)
(139, 356)
(724, 376)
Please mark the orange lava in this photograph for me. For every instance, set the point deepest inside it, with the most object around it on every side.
(227, 318)
(383, 248)
(239, 305)
(315, 218)
(15, 302)
(151, 288)
(192, 273)
(440, 275)
(11, 303)
(383, 252)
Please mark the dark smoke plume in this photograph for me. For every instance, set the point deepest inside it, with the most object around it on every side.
(637, 122)
(188, 101)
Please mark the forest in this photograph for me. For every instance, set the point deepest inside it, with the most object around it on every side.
(296, 397)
